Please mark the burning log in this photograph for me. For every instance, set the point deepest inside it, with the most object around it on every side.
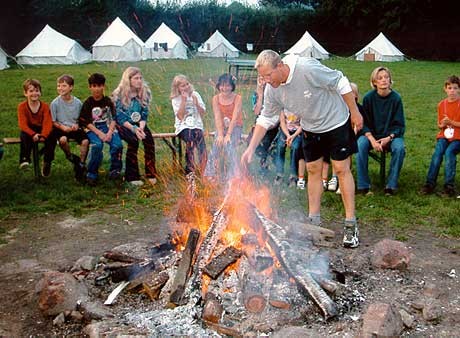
(253, 297)
(305, 282)
(280, 291)
(183, 270)
(327, 284)
(259, 259)
(218, 224)
(212, 309)
(227, 329)
(150, 285)
(221, 261)
(132, 271)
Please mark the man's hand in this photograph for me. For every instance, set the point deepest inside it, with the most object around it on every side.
(356, 121)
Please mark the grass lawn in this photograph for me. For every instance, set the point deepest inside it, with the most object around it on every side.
(419, 83)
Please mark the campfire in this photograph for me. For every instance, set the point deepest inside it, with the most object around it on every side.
(229, 268)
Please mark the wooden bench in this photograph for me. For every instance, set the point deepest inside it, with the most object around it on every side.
(174, 145)
(240, 64)
(380, 157)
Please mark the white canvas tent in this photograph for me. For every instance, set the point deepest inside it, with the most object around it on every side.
(50, 47)
(3, 59)
(165, 44)
(218, 46)
(308, 46)
(380, 49)
(118, 43)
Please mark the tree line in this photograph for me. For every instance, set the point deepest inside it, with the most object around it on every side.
(421, 29)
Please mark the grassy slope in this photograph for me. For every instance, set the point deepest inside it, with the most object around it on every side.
(419, 83)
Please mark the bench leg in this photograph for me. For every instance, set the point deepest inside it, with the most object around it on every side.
(36, 160)
(382, 169)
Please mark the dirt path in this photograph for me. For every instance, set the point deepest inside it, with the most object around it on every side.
(55, 242)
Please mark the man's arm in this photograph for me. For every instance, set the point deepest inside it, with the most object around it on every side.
(259, 133)
(355, 115)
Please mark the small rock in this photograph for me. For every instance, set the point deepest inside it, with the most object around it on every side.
(93, 310)
(381, 320)
(76, 316)
(418, 305)
(431, 290)
(84, 263)
(432, 311)
(59, 320)
(390, 254)
(407, 318)
(294, 331)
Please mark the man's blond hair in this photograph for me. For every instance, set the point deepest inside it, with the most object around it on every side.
(267, 57)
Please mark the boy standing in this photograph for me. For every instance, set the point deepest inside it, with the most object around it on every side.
(34, 119)
(65, 111)
(448, 139)
(98, 118)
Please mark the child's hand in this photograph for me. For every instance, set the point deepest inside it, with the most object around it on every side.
(227, 139)
(140, 133)
(289, 140)
(220, 141)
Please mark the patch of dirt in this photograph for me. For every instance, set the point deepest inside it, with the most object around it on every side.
(55, 242)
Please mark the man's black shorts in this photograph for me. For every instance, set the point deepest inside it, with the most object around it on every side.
(339, 143)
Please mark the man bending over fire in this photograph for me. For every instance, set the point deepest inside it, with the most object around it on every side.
(329, 119)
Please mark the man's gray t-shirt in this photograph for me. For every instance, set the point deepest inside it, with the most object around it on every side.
(66, 113)
(312, 92)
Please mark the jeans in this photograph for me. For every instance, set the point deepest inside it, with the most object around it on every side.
(449, 150)
(27, 143)
(132, 163)
(193, 139)
(398, 152)
(228, 152)
(263, 148)
(280, 154)
(96, 146)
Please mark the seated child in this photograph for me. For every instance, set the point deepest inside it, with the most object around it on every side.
(65, 112)
(34, 119)
(98, 118)
(132, 98)
(188, 109)
(448, 139)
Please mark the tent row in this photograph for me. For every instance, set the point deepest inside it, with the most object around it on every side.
(119, 43)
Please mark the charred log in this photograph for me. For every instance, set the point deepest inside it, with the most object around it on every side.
(253, 297)
(305, 282)
(227, 328)
(120, 257)
(259, 258)
(212, 309)
(280, 291)
(132, 271)
(183, 270)
(151, 284)
(219, 263)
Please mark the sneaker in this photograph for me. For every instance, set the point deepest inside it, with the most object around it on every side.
(92, 182)
(350, 235)
(301, 184)
(325, 185)
(427, 189)
(333, 184)
(278, 179)
(136, 183)
(365, 192)
(24, 165)
(449, 191)
(152, 180)
(338, 192)
(389, 192)
(114, 175)
(292, 182)
(46, 169)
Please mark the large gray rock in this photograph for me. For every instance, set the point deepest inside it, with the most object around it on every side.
(381, 320)
(390, 254)
(59, 292)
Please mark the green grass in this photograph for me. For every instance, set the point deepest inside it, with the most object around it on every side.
(419, 83)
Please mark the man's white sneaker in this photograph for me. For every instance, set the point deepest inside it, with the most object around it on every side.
(24, 165)
(338, 191)
(325, 185)
(136, 183)
(333, 184)
(350, 235)
(301, 184)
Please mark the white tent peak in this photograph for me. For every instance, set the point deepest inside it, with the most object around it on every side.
(308, 46)
(117, 34)
(218, 46)
(118, 43)
(382, 50)
(3, 59)
(164, 43)
(52, 47)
